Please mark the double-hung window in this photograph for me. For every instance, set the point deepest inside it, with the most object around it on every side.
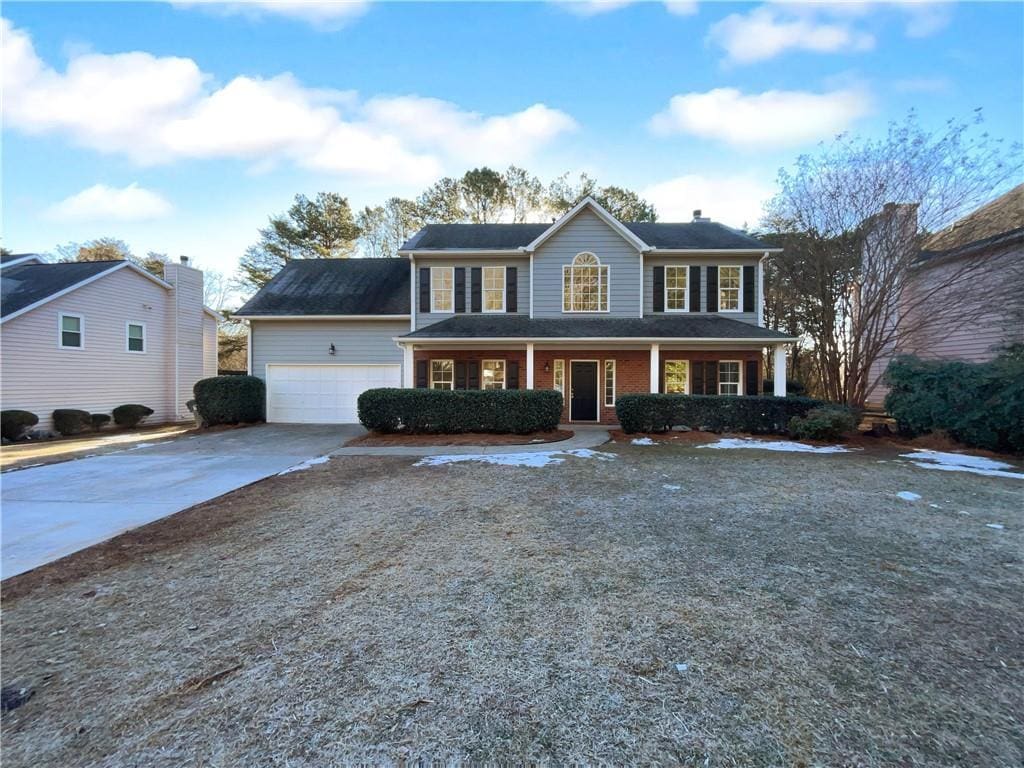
(729, 377)
(585, 285)
(493, 374)
(135, 337)
(494, 289)
(559, 376)
(72, 331)
(677, 374)
(730, 280)
(442, 289)
(609, 383)
(676, 293)
(442, 374)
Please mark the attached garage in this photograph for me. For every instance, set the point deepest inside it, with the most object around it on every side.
(323, 394)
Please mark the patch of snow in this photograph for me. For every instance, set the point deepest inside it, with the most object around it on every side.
(307, 464)
(532, 459)
(935, 506)
(682, 667)
(909, 495)
(141, 445)
(775, 445)
(961, 462)
(997, 526)
(642, 441)
(669, 487)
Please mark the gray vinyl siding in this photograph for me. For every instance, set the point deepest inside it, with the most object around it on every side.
(522, 266)
(285, 342)
(587, 232)
(650, 262)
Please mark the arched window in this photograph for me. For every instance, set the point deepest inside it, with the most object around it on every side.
(585, 284)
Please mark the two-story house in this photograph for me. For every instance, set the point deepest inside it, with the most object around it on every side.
(588, 305)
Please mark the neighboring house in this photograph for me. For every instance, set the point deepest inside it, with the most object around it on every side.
(93, 335)
(587, 305)
(981, 257)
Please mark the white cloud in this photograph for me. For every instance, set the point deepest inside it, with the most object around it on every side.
(322, 14)
(599, 7)
(681, 7)
(772, 118)
(157, 110)
(102, 203)
(733, 200)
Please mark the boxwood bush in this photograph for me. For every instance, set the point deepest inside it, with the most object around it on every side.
(69, 421)
(827, 422)
(99, 420)
(131, 414)
(978, 404)
(712, 413)
(13, 423)
(230, 399)
(435, 411)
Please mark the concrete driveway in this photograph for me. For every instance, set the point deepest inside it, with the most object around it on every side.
(51, 511)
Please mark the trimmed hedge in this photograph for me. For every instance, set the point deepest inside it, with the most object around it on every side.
(710, 413)
(230, 399)
(69, 421)
(99, 420)
(979, 404)
(13, 423)
(131, 414)
(829, 422)
(435, 411)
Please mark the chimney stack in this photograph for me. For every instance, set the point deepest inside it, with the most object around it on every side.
(183, 260)
(697, 216)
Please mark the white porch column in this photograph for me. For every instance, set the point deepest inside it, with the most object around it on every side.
(780, 371)
(529, 365)
(408, 368)
(655, 357)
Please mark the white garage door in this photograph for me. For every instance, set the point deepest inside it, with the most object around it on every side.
(323, 394)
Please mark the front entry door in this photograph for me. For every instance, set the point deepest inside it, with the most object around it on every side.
(583, 396)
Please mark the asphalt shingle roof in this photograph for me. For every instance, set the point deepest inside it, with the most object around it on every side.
(5, 257)
(694, 326)
(1001, 217)
(697, 235)
(25, 284)
(335, 287)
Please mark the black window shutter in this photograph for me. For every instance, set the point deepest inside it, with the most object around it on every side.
(659, 289)
(695, 288)
(473, 375)
(460, 289)
(511, 375)
(424, 289)
(421, 374)
(460, 375)
(511, 289)
(750, 374)
(711, 378)
(697, 379)
(749, 292)
(712, 289)
(474, 290)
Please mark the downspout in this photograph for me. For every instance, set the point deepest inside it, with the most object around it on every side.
(412, 293)
(760, 289)
(248, 347)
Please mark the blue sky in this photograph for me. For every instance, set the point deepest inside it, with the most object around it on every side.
(179, 127)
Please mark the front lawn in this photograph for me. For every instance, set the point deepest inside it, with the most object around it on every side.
(662, 603)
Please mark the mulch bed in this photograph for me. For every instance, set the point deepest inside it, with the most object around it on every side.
(373, 439)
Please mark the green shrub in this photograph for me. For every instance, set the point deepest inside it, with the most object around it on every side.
(712, 413)
(99, 420)
(13, 423)
(230, 399)
(435, 411)
(131, 414)
(793, 387)
(978, 404)
(69, 421)
(827, 422)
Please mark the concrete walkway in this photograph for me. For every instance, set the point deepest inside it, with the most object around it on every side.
(586, 436)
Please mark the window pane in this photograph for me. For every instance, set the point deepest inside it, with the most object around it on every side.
(609, 383)
(559, 375)
(441, 279)
(675, 376)
(729, 288)
(494, 289)
(69, 339)
(729, 378)
(70, 331)
(73, 324)
(675, 287)
(442, 374)
(585, 289)
(494, 374)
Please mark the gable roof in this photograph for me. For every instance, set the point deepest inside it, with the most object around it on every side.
(588, 203)
(329, 287)
(998, 219)
(11, 259)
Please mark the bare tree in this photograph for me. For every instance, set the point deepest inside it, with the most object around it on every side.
(862, 209)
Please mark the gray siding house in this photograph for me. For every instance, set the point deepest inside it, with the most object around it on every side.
(587, 305)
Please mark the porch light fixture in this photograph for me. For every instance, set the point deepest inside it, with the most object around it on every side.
(547, 367)
(331, 351)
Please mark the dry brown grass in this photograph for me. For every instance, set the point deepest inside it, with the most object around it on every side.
(370, 610)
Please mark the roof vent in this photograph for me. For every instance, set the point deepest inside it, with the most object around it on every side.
(183, 260)
(697, 216)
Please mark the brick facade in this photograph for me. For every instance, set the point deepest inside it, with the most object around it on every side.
(632, 367)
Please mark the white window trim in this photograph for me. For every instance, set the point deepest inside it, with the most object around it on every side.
(483, 290)
(739, 293)
(433, 308)
(607, 286)
(686, 290)
(554, 375)
(739, 378)
(60, 330)
(431, 377)
(687, 385)
(145, 345)
(604, 389)
(504, 371)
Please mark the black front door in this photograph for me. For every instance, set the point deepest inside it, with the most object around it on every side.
(583, 397)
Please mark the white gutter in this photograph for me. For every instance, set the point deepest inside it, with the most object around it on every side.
(323, 317)
(588, 339)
